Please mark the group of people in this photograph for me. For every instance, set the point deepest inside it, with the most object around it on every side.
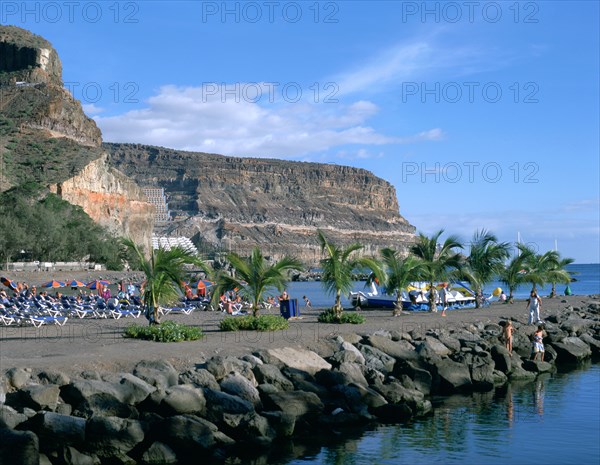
(534, 305)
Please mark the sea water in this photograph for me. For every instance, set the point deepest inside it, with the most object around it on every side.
(587, 282)
(553, 420)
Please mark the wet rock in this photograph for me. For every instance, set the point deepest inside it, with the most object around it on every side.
(482, 374)
(421, 378)
(393, 413)
(501, 357)
(593, 342)
(187, 434)
(451, 376)
(283, 423)
(396, 393)
(297, 403)
(537, 366)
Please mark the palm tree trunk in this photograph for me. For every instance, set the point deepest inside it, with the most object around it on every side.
(432, 304)
(338, 304)
(398, 305)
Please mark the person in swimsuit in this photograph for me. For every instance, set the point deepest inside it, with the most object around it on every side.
(508, 336)
(538, 344)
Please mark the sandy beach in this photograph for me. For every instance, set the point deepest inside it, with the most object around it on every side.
(98, 344)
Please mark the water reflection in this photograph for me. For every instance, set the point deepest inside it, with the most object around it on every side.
(558, 413)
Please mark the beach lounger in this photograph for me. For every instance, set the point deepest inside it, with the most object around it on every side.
(8, 319)
(38, 321)
(123, 312)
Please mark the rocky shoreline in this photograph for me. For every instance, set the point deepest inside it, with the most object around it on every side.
(227, 406)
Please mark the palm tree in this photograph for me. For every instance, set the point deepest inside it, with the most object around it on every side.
(515, 270)
(539, 268)
(437, 261)
(558, 274)
(338, 267)
(254, 276)
(486, 260)
(399, 272)
(165, 274)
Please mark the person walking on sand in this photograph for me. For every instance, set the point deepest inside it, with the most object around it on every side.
(538, 344)
(507, 335)
(534, 304)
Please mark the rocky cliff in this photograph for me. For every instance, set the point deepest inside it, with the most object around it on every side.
(32, 92)
(46, 138)
(111, 199)
(235, 203)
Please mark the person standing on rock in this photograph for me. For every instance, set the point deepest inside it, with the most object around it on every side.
(508, 336)
(538, 344)
(534, 304)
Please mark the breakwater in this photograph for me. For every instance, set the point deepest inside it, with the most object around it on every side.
(230, 405)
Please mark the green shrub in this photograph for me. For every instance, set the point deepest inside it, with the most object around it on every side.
(259, 323)
(169, 331)
(330, 316)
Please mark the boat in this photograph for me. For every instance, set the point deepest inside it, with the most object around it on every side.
(414, 297)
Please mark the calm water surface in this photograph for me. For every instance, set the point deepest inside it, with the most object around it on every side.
(555, 420)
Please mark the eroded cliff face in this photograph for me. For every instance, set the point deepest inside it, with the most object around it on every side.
(236, 203)
(111, 199)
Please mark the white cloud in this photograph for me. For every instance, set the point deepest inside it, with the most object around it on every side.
(404, 62)
(210, 120)
(91, 109)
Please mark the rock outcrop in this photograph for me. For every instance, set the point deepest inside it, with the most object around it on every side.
(111, 199)
(236, 203)
(46, 138)
(32, 90)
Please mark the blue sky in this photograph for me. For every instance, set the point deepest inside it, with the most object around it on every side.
(482, 115)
